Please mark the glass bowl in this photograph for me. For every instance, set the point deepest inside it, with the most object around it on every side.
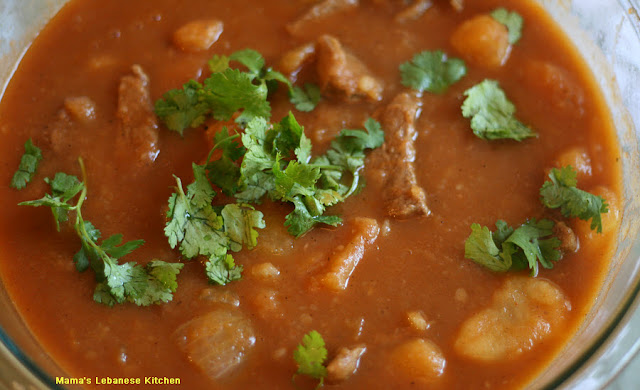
(607, 33)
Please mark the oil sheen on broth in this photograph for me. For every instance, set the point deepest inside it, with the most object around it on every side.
(390, 290)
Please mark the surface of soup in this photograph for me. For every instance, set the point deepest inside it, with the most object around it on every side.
(390, 289)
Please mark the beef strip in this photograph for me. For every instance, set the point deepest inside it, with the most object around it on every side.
(138, 134)
(414, 11)
(321, 10)
(403, 196)
(340, 70)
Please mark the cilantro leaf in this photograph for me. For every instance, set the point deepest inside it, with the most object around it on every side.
(224, 172)
(482, 247)
(492, 114)
(509, 249)
(198, 229)
(222, 270)
(63, 188)
(511, 20)
(432, 71)
(116, 283)
(251, 59)
(240, 223)
(28, 165)
(161, 282)
(224, 93)
(305, 98)
(310, 356)
(301, 220)
(277, 163)
(218, 63)
(561, 192)
(348, 153)
(183, 108)
(232, 90)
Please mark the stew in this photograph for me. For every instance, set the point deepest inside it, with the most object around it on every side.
(390, 278)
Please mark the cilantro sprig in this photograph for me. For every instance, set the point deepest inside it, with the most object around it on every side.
(508, 249)
(228, 91)
(492, 114)
(28, 165)
(561, 192)
(511, 20)
(278, 164)
(198, 228)
(432, 71)
(116, 283)
(310, 356)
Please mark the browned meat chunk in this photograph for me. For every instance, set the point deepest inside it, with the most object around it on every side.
(198, 35)
(81, 108)
(293, 60)
(321, 10)
(414, 11)
(458, 5)
(403, 196)
(345, 364)
(342, 71)
(138, 136)
(344, 260)
(568, 239)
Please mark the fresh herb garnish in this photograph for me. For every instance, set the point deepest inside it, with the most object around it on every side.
(432, 71)
(278, 163)
(199, 229)
(227, 91)
(28, 165)
(561, 192)
(117, 283)
(509, 249)
(310, 357)
(492, 114)
(305, 99)
(511, 20)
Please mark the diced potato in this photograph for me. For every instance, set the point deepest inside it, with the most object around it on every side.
(345, 364)
(216, 342)
(344, 261)
(555, 86)
(417, 360)
(218, 295)
(265, 303)
(265, 271)
(81, 108)
(461, 295)
(59, 132)
(522, 314)
(483, 41)
(579, 159)
(610, 220)
(198, 35)
(417, 321)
